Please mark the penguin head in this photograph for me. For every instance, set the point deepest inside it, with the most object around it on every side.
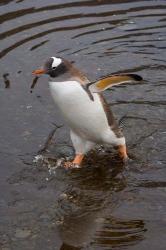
(54, 66)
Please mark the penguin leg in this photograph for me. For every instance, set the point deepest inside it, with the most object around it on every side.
(78, 159)
(118, 142)
(81, 147)
(122, 150)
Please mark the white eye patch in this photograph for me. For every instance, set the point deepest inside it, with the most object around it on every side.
(56, 62)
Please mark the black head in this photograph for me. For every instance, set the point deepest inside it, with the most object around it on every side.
(54, 67)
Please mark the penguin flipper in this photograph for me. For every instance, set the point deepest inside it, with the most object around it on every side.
(112, 80)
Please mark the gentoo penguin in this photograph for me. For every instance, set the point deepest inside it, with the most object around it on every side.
(84, 108)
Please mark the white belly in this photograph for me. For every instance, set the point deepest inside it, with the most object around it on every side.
(84, 116)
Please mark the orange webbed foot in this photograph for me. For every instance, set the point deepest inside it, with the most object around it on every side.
(75, 163)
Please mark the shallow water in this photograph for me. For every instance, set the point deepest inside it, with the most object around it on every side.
(104, 205)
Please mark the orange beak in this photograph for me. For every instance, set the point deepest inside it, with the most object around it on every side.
(38, 72)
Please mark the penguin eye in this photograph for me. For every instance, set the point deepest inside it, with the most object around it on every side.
(53, 67)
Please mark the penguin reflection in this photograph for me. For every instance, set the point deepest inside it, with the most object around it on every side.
(90, 191)
(84, 210)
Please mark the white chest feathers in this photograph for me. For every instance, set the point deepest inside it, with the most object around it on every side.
(85, 117)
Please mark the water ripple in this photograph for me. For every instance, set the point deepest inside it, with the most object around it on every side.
(111, 22)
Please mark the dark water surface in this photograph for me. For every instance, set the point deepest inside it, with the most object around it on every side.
(103, 205)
